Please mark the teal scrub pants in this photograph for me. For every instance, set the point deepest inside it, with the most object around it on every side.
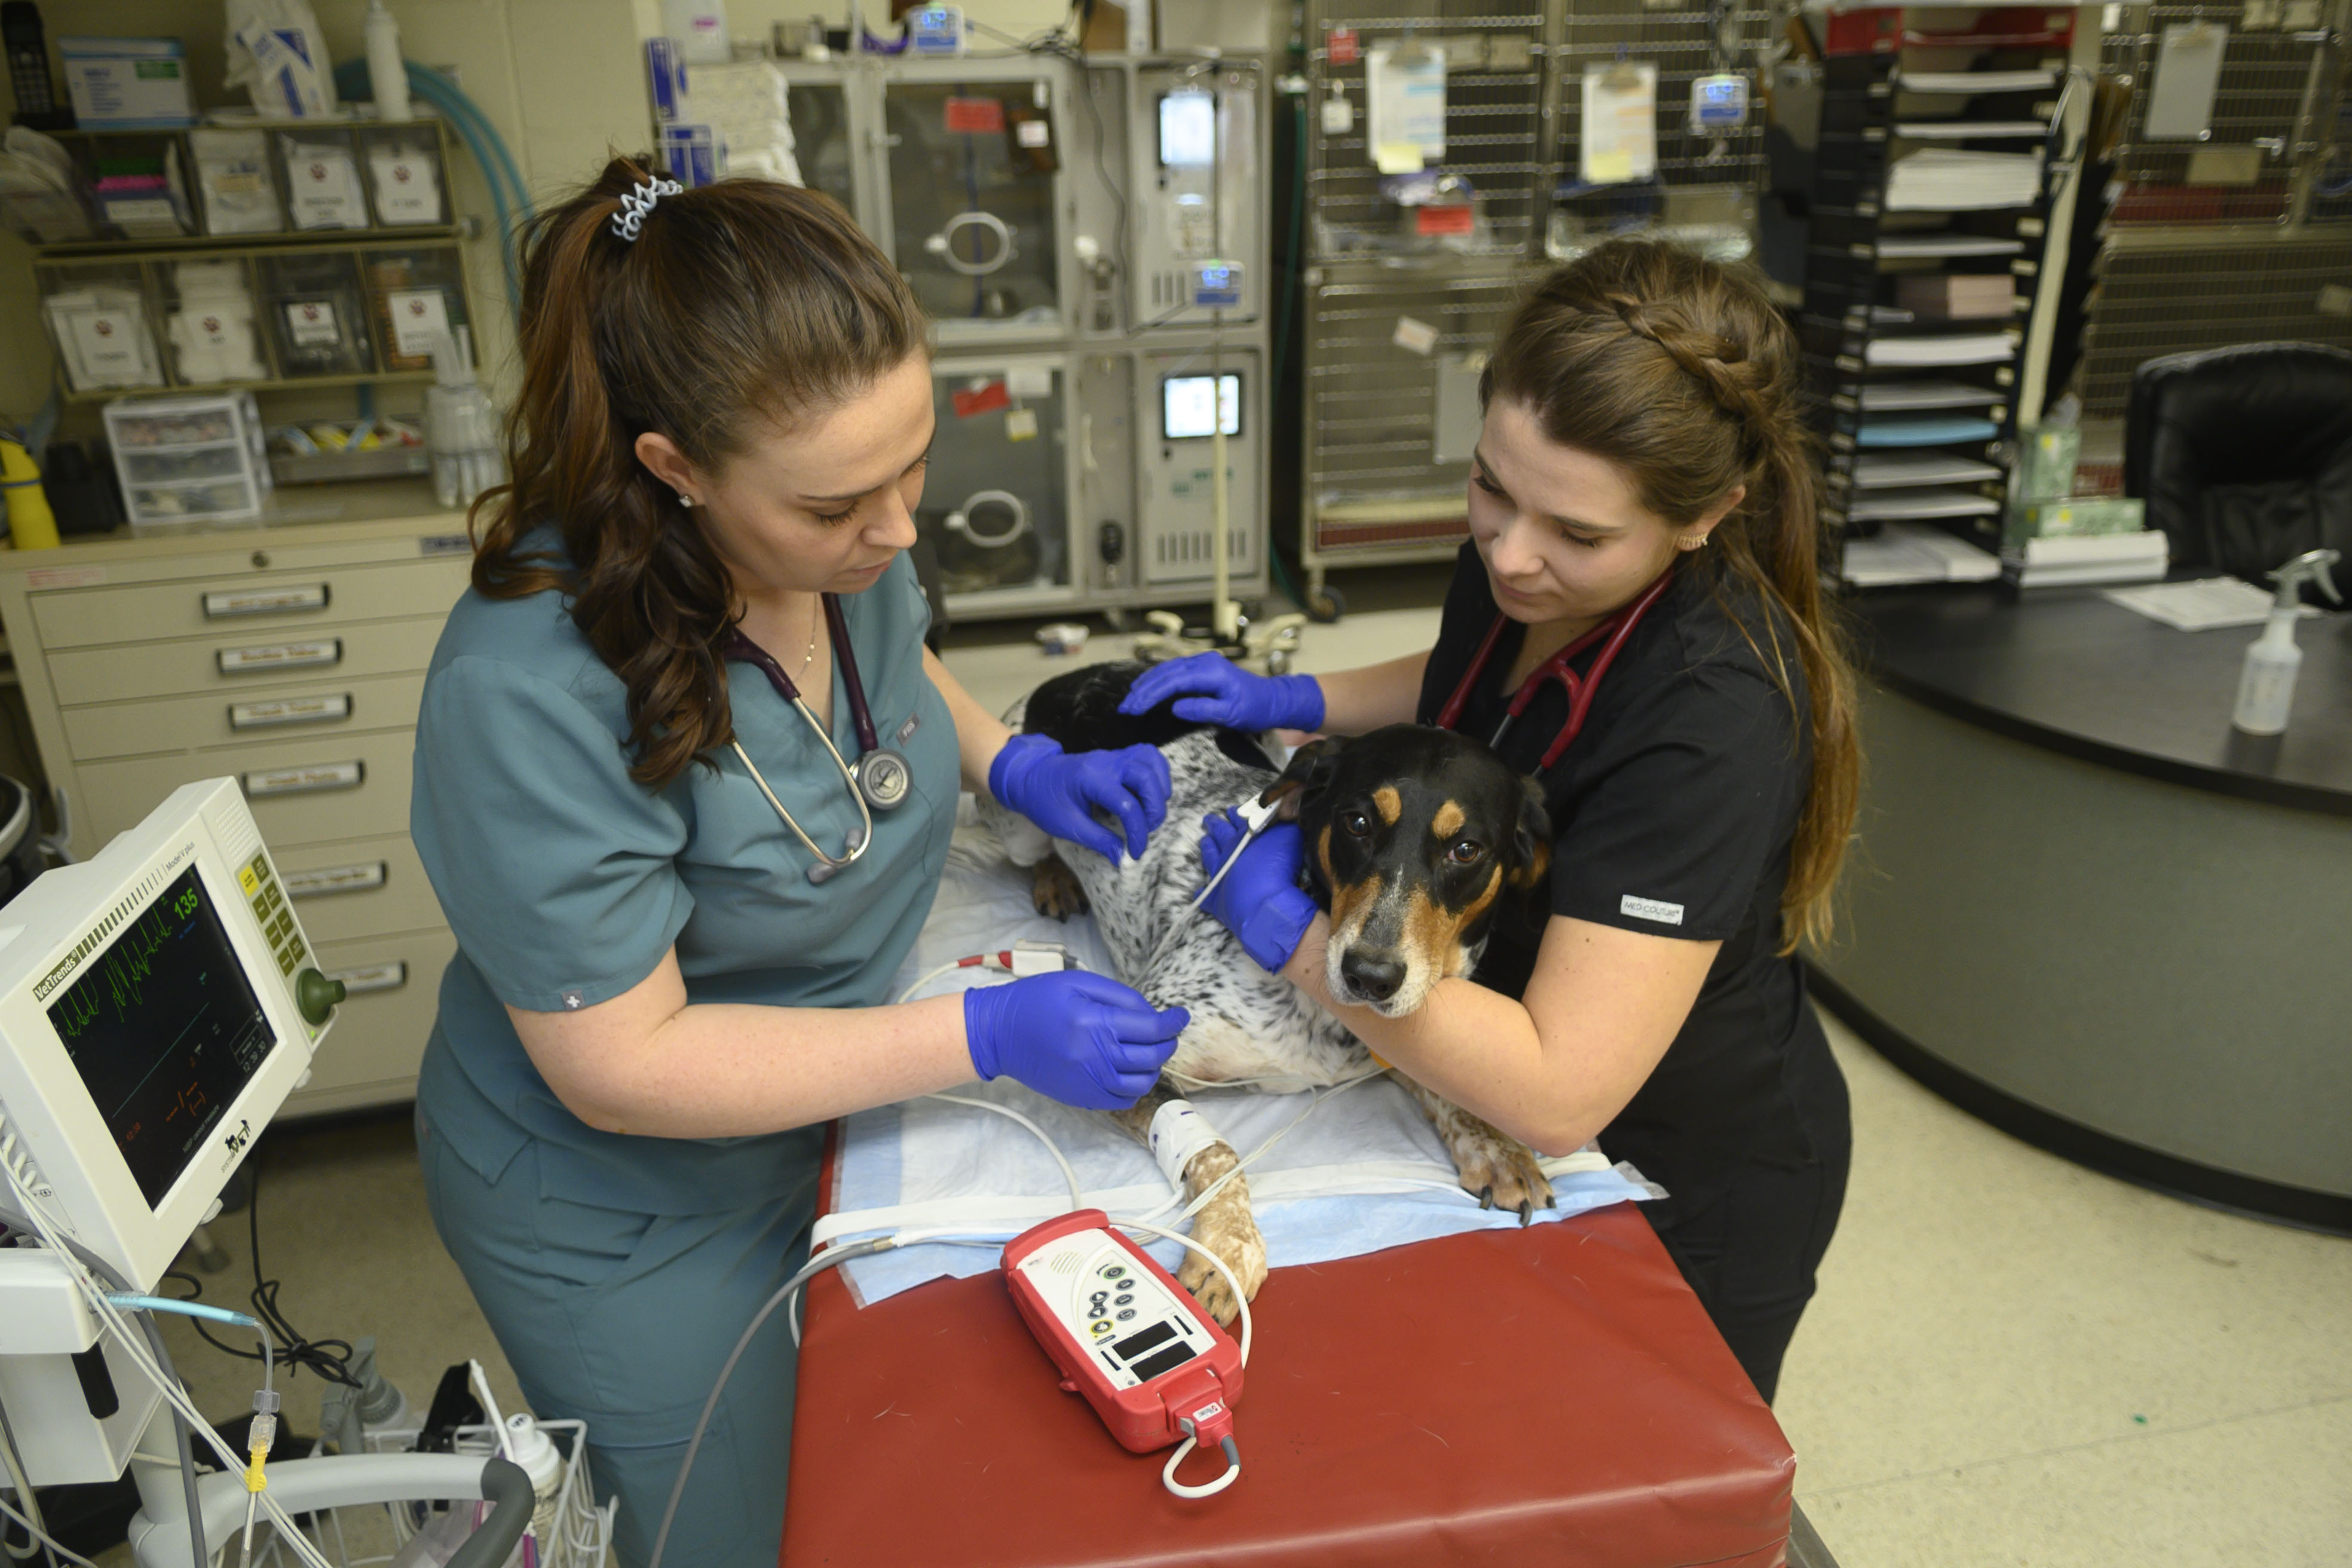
(622, 1319)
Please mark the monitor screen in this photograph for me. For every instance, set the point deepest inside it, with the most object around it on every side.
(165, 1030)
(1188, 130)
(1184, 405)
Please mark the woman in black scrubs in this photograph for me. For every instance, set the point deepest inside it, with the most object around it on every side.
(1642, 430)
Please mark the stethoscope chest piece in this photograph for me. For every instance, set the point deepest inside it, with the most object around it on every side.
(883, 778)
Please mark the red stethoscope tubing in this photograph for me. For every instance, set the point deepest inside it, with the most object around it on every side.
(836, 626)
(1612, 634)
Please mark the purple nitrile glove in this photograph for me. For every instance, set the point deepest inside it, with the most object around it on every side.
(1083, 1039)
(1213, 689)
(1260, 900)
(1061, 792)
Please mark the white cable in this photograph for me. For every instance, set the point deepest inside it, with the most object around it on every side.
(136, 1352)
(42, 1536)
(34, 1526)
(1077, 1194)
(948, 968)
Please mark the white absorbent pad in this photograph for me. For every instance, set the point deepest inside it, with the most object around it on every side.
(1362, 1171)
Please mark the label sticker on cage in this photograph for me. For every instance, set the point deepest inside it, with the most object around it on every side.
(975, 116)
(2188, 75)
(1034, 133)
(980, 397)
(1021, 424)
(1029, 380)
(1619, 123)
(1453, 218)
(1414, 337)
(418, 317)
(1340, 45)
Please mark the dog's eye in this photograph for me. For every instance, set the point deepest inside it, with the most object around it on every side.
(1356, 824)
(1467, 852)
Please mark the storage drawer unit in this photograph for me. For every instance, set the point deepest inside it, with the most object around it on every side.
(292, 659)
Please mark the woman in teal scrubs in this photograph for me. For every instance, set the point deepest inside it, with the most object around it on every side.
(653, 1008)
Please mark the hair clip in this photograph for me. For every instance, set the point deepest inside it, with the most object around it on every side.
(638, 202)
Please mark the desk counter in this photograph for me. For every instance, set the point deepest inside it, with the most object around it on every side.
(2086, 908)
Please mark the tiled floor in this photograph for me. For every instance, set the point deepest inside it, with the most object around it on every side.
(2011, 1360)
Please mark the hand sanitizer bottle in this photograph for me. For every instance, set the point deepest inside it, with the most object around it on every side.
(2267, 686)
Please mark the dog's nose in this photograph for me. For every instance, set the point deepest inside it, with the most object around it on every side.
(1375, 979)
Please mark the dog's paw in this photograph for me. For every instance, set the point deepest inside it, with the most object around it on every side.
(1502, 1172)
(1244, 1251)
(1056, 890)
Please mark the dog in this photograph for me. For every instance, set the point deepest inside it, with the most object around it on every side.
(1419, 841)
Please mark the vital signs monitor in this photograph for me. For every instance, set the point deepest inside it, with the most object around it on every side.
(157, 1004)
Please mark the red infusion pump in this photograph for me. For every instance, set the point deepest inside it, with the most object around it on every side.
(1156, 1368)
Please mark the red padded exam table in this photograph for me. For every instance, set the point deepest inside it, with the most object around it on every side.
(1552, 1395)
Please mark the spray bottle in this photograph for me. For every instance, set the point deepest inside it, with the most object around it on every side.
(387, 72)
(2266, 688)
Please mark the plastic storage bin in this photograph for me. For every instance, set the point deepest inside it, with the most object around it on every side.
(211, 322)
(406, 186)
(324, 188)
(189, 460)
(415, 297)
(236, 181)
(101, 317)
(317, 315)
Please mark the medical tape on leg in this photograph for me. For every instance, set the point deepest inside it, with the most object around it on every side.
(1179, 1133)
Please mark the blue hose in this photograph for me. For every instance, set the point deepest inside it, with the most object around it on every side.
(509, 195)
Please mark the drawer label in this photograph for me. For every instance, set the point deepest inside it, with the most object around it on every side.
(41, 577)
(306, 779)
(445, 544)
(373, 977)
(336, 880)
(289, 710)
(279, 655)
(266, 601)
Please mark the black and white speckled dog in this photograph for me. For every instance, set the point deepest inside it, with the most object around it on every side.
(1418, 840)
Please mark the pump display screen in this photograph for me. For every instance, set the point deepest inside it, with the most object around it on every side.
(1188, 130)
(1184, 405)
(165, 1030)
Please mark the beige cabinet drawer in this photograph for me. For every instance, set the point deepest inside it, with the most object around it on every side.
(253, 605)
(359, 789)
(371, 1056)
(258, 658)
(358, 888)
(175, 723)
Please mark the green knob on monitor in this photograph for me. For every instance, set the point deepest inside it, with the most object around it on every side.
(317, 995)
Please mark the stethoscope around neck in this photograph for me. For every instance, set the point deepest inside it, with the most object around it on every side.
(1609, 635)
(880, 778)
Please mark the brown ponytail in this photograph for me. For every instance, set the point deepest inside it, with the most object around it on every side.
(1682, 373)
(738, 306)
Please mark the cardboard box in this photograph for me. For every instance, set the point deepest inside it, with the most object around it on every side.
(1957, 297)
(2046, 461)
(134, 84)
(2073, 517)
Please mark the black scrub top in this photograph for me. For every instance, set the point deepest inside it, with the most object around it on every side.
(1673, 814)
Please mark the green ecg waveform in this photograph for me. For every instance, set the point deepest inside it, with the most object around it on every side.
(123, 973)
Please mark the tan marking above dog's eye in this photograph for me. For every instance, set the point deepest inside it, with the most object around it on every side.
(1388, 804)
(1357, 824)
(1448, 820)
(1467, 852)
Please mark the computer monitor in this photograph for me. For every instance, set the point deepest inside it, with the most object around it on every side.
(157, 1004)
(1184, 405)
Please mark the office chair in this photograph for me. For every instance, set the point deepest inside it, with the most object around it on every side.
(2243, 454)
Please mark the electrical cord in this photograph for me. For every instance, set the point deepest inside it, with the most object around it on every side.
(330, 1359)
(36, 1527)
(84, 1267)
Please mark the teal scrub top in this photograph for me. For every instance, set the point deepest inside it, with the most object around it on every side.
(565, 880)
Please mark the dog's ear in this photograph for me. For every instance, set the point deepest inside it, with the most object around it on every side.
(1309, 774)
(1531, 844)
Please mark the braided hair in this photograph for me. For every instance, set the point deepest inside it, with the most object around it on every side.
(1682, 373)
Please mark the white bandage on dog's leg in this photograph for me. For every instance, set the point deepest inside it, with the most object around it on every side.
(1179, 1133)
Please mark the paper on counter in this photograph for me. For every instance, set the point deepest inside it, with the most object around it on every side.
(1952, 348)
(1908, 553)
(2205, 605)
